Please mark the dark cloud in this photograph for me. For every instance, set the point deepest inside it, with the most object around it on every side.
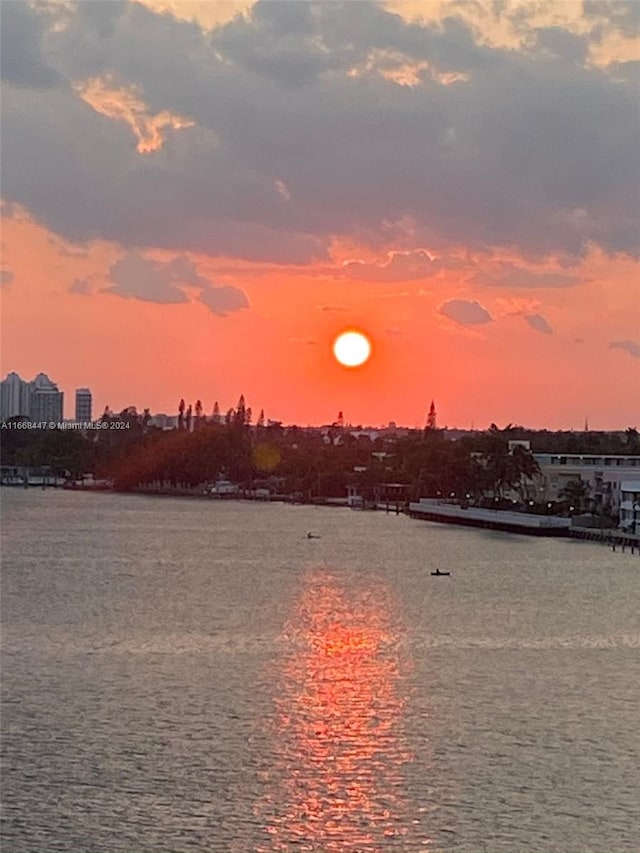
(21, 50)
(621, 15)
(561, 43)
(183, 270)
(138, 277)
(402, 266)
(539, 323)
(224, 299)
(534, 151)
(6, 277)
(628, 72)
(465, 312)
(81, 286)
(278, 43)
(632, 347)
(506, 274)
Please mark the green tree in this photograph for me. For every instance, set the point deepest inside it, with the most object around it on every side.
(576, 493)
(632, 440)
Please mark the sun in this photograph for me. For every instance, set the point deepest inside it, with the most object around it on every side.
(352, 348)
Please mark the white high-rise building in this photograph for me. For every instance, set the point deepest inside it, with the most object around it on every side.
(15, 395)
(46, 400)
(39, 400)
(83, 404)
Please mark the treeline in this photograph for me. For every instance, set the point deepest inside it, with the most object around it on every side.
(133, 453)
(294, 460)
(311, 464)
(588, 442)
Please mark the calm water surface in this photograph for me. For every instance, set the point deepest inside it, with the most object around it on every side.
(195, 676)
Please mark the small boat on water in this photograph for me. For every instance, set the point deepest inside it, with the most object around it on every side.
(439, 574)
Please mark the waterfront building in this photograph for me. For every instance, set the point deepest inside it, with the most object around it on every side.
(39, 400)
(164, 421)
(15, 396)
(83, 404)
(603, 473)
(630, 505)
(47, 401)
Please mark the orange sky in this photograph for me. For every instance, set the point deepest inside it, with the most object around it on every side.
(495, 321)
(278, 353)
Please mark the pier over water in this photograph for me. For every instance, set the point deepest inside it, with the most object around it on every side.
(491, 519)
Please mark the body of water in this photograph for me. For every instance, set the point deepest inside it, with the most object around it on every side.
(183, 675)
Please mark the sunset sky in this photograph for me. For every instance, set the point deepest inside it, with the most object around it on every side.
(199, 196)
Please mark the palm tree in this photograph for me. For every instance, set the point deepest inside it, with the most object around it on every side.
(525, 468)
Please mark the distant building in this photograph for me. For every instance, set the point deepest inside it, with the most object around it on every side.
(15, 396)
(630, 506)
(47, 402)
(39, 400)
(83, 404)
(371, 434)
(604, 473)
(163, 421)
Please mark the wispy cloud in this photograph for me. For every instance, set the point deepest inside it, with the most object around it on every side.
(632, 347)
(81, 286)
(507, 274)
(123, 102)
(332, 308)
(401, 266)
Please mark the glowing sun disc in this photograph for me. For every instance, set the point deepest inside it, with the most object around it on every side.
(352, 349)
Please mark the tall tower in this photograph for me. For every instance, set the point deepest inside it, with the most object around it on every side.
(47, 402)
(83, 404)
(15, 397)
(431, 417)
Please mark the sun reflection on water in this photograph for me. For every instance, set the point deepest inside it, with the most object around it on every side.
(337, 781)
